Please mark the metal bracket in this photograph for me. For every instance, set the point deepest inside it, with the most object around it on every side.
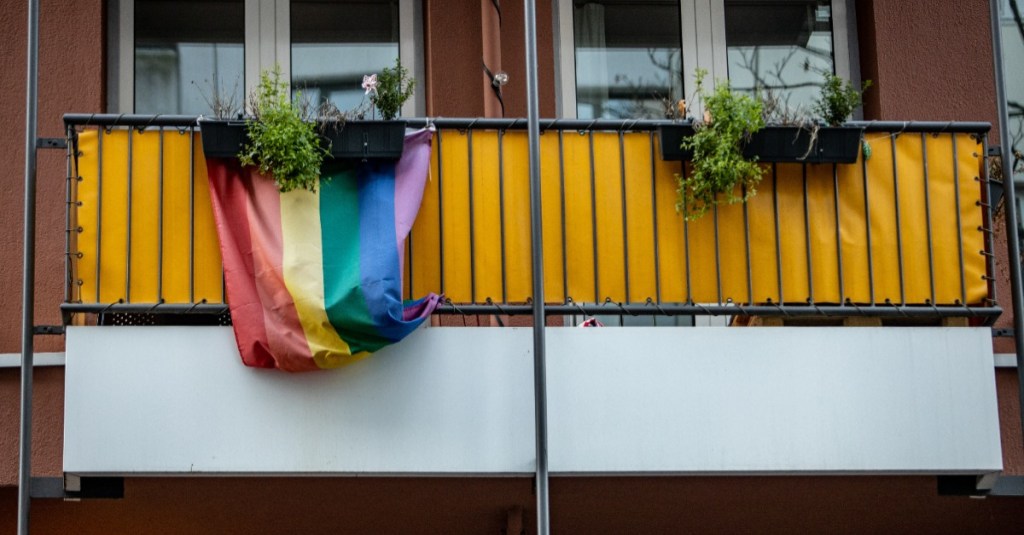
(75, 488)
(51, 143)
(1002, 332)
(48, 329)
(994, 150)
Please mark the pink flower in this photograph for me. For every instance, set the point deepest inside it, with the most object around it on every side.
(370, 84)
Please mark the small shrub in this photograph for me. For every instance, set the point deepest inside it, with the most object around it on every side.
(838, 99)
(393, 88)
(282, 142)
(719, 167)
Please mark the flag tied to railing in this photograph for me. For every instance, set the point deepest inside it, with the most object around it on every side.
(314, 280)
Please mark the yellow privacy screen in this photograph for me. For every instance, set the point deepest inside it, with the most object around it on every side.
(147, 230)
(903, 225)
(611, 230)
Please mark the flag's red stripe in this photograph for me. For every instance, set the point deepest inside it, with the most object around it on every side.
(284, 330)
(228, 196)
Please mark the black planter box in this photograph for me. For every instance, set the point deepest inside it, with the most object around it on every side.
(833, 144)
(362, 140)
(839, 144)
(672, 136)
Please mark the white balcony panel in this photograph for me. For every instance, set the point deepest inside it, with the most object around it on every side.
(176, 400)
(780, 400)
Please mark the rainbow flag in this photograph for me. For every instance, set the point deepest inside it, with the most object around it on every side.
(314, 280)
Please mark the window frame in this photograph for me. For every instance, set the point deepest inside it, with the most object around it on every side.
(267, 41)
(703, 46)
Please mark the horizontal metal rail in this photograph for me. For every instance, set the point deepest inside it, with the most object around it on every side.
(590, 309)
(482, 123)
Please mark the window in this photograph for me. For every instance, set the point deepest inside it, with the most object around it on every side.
(628, 59)
(635, 58)
(1012, 32)
(192, 56)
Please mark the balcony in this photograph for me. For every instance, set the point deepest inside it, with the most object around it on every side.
(902, 238)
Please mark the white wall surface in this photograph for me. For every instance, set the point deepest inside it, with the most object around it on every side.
(803, 400)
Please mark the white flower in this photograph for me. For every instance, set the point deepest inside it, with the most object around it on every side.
(370, 84)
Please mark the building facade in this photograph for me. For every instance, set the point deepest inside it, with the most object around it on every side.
(880, 395)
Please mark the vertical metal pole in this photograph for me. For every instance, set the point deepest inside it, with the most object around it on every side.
(1011, 204)
(28, 275)
(539, 320)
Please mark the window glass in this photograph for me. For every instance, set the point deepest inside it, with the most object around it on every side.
(782, 47)
(189, 56)
(1012, 20)
(335, 43)
(628, 58)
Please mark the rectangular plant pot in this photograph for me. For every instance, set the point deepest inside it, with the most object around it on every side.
(672, 136)
(363, 140)
(795, 144)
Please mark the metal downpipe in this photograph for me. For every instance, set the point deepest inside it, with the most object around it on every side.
(536, 235)
(28, 275)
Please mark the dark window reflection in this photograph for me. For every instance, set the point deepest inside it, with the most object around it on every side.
(189, 56)
(628, 58)
(782, 47)
(335, 43)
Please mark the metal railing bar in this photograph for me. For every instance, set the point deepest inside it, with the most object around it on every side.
(501, 214)
(807, 238)
(928, 216)
(625, 218)
(160, 220)
(746, 240)
(686, 235)
(440, 210)
(987, 225)
(643, 309)
(959, 223)
(867, 230)
(778, 236)
(192, 214)
(128, 226)
(899, 230)
(654, 221)
(99, 207)
(839, 232)
(472, 230)
(718, 255)
(561, 185)
(68, 269)
(593, 218)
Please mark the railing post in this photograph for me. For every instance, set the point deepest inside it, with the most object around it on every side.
(28, 275)
(536, 234)
(1010, 209)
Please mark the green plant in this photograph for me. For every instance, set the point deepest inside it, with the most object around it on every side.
(393, 87)
(838, 99)
(282, 142)
(719, 167)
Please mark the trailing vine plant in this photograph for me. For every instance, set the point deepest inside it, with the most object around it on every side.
(720, 174)
(283, 142)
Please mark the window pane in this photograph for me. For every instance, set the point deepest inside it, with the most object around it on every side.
(335, 43)
(189, 55)
(781, 46)
(1012, 31)
(628, 58)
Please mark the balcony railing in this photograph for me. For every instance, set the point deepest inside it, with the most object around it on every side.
(906, 232)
